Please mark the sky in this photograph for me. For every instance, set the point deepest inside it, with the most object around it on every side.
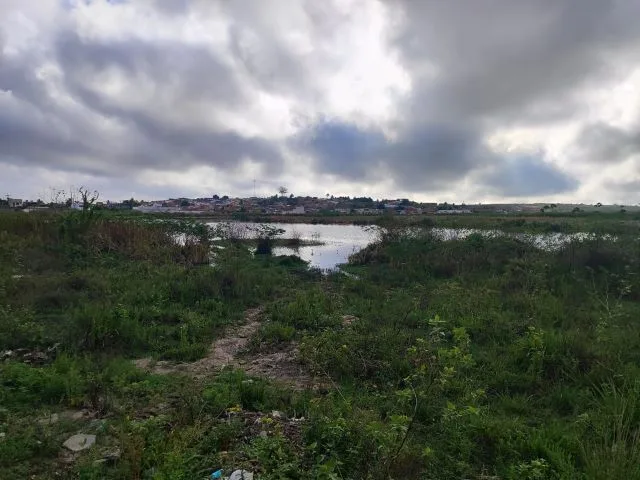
(457, 100)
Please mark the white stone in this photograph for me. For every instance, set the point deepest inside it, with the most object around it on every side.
(80, 442)
(241, 475)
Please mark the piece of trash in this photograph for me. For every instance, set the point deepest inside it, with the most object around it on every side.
(217, 474)
(241, 475)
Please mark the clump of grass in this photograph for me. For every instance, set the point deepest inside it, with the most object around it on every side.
(272, 335)
(611, 450)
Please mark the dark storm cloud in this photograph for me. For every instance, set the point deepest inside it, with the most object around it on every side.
(181, 72)
(419, 158)
(18, 77)
(480, 65)
(605, 144)
(434, 156)
(172, 7)
(429, 158)
(33, 129)
(632, 186)
(182, 76)
(269, 65)
(499, 57)
(343, 149)
(272, 60)
(526, 176)
(474, 67)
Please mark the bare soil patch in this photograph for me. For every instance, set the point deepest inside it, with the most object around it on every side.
(229, 351)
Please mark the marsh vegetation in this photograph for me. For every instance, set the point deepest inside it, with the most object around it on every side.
(473, 357)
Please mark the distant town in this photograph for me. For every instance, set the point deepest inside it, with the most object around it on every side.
(288, 204)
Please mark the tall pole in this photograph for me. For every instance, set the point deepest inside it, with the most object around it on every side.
(254, 188)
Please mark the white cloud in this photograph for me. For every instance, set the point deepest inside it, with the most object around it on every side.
(153, 96)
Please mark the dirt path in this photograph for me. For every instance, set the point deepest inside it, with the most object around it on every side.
(225, 350)
(228, 351)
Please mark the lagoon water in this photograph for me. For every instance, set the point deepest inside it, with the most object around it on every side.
(341, 241)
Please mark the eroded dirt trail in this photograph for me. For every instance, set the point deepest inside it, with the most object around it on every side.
(229, 351)
(226, 350)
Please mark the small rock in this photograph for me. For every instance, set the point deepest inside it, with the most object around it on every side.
(67, 457)
(242, 362)
(7, 354)
(2, 436)
(143, 363)
(112, 456)
(263, 434)
(35, 358)
(241, 475)
(49, 420)
(277, 414)
(79, 415)
(80, 442)
(349, 319)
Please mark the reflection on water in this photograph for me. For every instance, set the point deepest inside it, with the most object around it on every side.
(544, 241)
(341, 241)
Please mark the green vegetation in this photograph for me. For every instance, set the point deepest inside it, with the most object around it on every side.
(477, 358)
(538, 222)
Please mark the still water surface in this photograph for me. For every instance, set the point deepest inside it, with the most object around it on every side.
(341, 241)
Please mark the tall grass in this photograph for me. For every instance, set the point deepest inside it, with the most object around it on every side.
(612, 448)
(471, 358)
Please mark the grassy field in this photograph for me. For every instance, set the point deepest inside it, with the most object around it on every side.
(477, 358)
(548, 222)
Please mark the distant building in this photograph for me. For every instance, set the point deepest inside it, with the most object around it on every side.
(14, 202)
(429, 207)
(413, 211)
(35, 209)
(367, 211)
(296, 211)
(453, 212)
(154, 208)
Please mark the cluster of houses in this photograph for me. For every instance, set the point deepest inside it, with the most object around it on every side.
(283, 205)
(287, 206)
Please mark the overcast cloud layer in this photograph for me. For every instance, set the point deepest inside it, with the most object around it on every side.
(490, 100)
